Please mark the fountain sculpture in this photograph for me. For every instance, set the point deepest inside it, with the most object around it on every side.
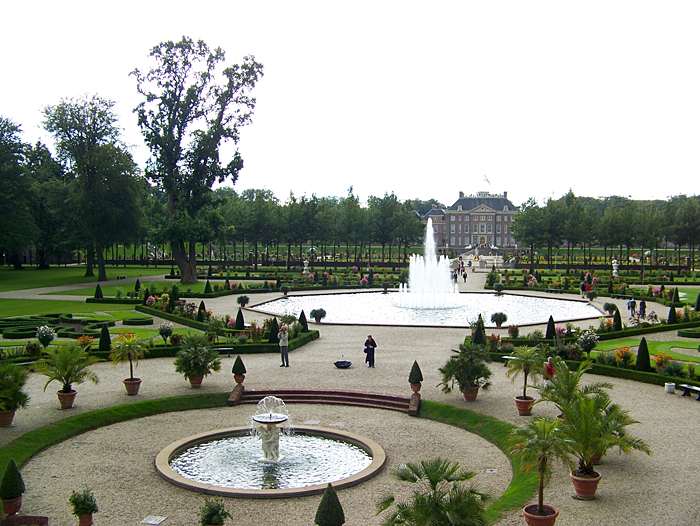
(270, 414)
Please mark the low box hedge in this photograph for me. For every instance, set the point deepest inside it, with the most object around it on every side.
(122, 301)
(137, 321)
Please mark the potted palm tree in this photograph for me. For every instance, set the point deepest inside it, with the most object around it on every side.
(11, 489)
(284, 289)
(535, 444)
(530, 363)
(499, 318)
(67, 365)
(213, 513)
(196, 358)
(592, 424)
(468, 369)
(129, 347)
(563, 386)
(84, 505)
(12, 380)
(243, 300)
(318, 314)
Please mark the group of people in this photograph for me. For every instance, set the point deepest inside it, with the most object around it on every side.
(632, 307)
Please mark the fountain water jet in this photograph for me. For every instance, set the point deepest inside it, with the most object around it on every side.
(430, 284)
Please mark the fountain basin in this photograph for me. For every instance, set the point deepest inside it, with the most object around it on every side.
(164, 458)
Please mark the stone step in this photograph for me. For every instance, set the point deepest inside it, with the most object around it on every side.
(363, 399)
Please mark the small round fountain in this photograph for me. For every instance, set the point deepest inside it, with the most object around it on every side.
(296, 461)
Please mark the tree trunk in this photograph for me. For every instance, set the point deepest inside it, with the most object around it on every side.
(41, 259)
(16, 261)
(186, 263)
(89, 261)
(101, 270)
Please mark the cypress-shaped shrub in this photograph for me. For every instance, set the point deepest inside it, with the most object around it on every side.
(325, 280)
(146, 294)
(416, 375)
(240, 323)
(274, 329)
(171, 304)
(227, 284)
(610, 286)
(304, 323)
(238, 366)
(676, 296)
(12, 485)
(137, 285)
(98, 291)
(551, 330)
(479, 336)
(697, 303)
(278, 284)
(672, 318)
(175, 293)
(617, 320)
(105, 340)
(207, 288)
(330, 512)
(643, 361)
(200, 311)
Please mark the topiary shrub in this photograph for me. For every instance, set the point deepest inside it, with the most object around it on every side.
(303, 322)
(200, 311)
(12, 485)
(672, 317)
(551, 330)
(137, 285)
(105, 339)
(207, 288)
(697, 303)
(274, 329)
(240, 323)
(479, 334)
(416, 375)
(617, 320)
(238, 366)
(330, 512)
(98, 291)
(643, 362)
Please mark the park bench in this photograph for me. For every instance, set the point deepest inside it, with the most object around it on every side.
(555, 291)
(622, 297)
(688, 388)
(121, 277)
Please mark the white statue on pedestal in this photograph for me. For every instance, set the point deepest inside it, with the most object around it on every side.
(616, 267)
(270, 436)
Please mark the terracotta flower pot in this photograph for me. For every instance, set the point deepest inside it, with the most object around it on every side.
(85, 520)
(66, 399)
(470, 393)
(415, 387)
(533, 519)
(6, 418)
(195, 381)
(239, 378)
(132, 386)
(585, 487)
(11, 506)
(524, 405)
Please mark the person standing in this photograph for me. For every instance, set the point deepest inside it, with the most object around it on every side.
(642, 308)
(548, 372)
(370, 346)
(633, 306)
(283, 337)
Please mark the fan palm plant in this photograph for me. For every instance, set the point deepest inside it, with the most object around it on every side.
(468, 368)
(440, 497)
(565, 383)
(13, 377)
(67, 365)
(128, 347)
(196, 358)
(526, 361)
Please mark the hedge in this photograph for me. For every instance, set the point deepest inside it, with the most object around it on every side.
(689, 333)
(122, 301)
(137, 321)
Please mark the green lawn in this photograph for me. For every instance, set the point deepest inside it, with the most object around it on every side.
(29, 307)
(30, 278)
(654, 348)
(158, 286)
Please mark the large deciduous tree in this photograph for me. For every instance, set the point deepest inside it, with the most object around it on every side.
(191, 107)
(104, 194)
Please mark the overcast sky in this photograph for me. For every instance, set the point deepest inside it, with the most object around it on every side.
(424, 99)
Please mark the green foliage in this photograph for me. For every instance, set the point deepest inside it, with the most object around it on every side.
(416, 375)
(12, 381)
(479, 333)
(468, 368)
(676, 297)
(105, 339)
(528, 362)
(67, 365)
(617, 320)
(551, 331)
(196, 356)
(672, 316)
(128, 347)
(318, 314)
(240, 322)
(329, 512)
(643, 361)
(238, 366)
(499, 317)
(213, 512)
(303, 322)
(12, 485)
(207, 288)
(98, 291)
(200, 311)
(440, 496)
(84, 502)
(274, 329)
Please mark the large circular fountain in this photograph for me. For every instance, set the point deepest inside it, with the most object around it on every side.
(295, 461)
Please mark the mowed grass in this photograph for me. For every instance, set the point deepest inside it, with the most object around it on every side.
(654, 347)
(30, 278)
(9, 307)
(154, 286)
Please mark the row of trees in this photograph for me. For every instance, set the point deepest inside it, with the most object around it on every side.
(611, 222)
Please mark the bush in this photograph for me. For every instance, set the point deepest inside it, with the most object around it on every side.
(12, 485)
(329, 512)
(673, 369)
(83, 503)
(416, 375)
(513, 331)
(643, 361)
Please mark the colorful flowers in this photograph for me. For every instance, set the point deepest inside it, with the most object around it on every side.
(661, 360)
(623, 357)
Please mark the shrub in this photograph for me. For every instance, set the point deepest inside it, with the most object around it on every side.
(105, 339)
(643, 361)
(623, 357)
(12, 485)
(303, 322)
(238, 366)
(83, 503)
(329, 512)
(45, 334)
(98, 291)
(673, 369)
(617, 320)
(176, 339)
(416, 375)
(240, 323)
(551, 330)
(672, 317)
(513, 331)
(661, 360)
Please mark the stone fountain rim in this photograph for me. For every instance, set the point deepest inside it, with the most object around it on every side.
(373, 449)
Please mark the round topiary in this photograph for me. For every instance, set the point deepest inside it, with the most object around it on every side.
(330, 512)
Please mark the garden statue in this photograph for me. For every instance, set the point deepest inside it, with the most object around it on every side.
(306, 268)
(270, 436)
(616, 267)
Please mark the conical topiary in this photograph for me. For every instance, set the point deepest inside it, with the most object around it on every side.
(98, 291)
(200, 311)
(137, 285)
(617, 320)
(175, 293)
(105, 340)
(12, 485)
(325, 279)
(274, 329)
(304, 323)
(240, 323)
(610, 286)
(238, 366)
(697, 303)
(643, 362)
(676, 297)
(207, 288)
(146, 294)
(479, 336)
(330, 512)
(551, 330)
(171, 304)
(416, 375)
(672, 318)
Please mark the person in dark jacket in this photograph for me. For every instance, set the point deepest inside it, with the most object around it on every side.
(370, 345)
